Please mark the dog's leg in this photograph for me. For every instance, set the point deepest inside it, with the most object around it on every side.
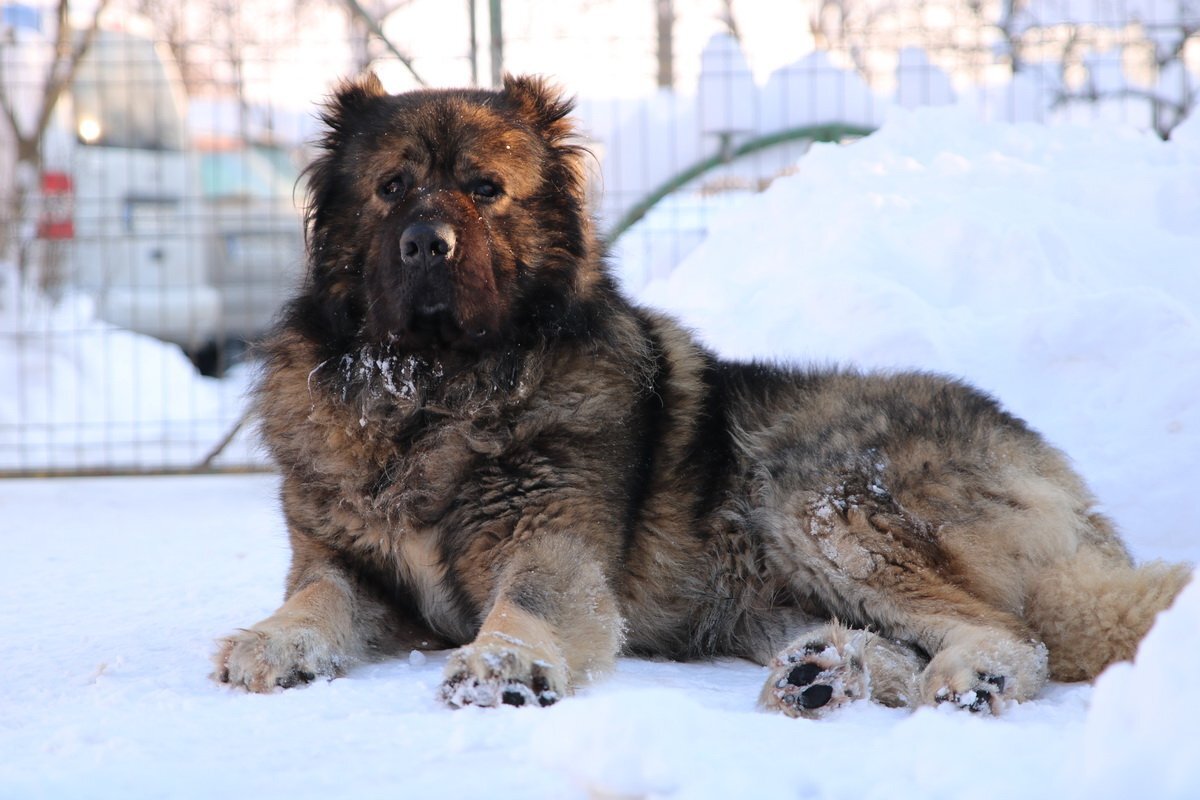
(873, 563)
(552, 625)
(831, 665)
(327, 622)
(307, 638)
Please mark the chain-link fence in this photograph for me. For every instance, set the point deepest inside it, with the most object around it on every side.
(152, 155)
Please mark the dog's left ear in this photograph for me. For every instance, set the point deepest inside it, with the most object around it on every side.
(542, 104)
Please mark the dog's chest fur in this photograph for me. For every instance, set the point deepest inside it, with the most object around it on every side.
(430, 490)
(430, 485)
(422, 568)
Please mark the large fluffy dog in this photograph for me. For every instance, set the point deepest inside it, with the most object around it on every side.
(485, 445)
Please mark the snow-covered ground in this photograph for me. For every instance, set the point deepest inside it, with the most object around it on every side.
(1058, 268)
(112, 590)
(81, 393)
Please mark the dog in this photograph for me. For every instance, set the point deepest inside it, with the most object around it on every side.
(484, 445)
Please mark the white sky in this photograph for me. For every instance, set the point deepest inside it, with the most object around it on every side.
(585, 44)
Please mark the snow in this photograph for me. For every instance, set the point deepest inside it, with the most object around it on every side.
(82, 393)
(1055, 267)
(108, 628)
(726, 89)
(1152, 722)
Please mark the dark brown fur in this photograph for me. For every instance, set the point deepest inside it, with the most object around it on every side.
(485, 445)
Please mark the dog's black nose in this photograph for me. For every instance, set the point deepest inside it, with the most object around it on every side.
(426, 244)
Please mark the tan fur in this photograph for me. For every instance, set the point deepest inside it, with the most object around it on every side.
(489, 447)
(1091, 612)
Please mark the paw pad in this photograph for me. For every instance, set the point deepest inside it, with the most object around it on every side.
(814, 678)
(490, 693)
(816, 696)
(296, 677)
(804, 674)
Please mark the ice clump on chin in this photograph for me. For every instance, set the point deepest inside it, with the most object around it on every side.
(379, 370)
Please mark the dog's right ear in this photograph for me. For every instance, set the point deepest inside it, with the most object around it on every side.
(350, 98)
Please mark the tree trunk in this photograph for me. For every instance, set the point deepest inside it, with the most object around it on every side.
(666, 43)
(474, 48)
(497, 43)
(19, 232)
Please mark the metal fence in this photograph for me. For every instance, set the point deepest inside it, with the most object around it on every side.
(151, 157)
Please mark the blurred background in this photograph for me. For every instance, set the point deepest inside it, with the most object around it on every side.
(152, 157)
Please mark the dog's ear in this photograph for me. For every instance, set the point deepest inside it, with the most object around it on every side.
(350, 98)
(543, 105)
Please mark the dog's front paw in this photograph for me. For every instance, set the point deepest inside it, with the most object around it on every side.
(272, 655)
(492, 672)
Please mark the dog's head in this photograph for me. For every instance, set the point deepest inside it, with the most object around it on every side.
(446, 219)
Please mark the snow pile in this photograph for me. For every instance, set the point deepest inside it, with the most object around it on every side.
(84, 393)
(1056, 268)
(1140, 713)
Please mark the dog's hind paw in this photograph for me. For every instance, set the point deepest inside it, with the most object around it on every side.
(985, 675)
(813, 677)
(984, 696)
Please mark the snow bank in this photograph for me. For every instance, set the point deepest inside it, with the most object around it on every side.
(1142, 715)
(1056, 268)
(83, 393)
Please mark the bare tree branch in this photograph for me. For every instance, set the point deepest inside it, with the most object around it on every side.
(68, 53)
(1159, 104)
(61, 71)
(730, 19)
(10, 113)
(66, 59)
(361, 14)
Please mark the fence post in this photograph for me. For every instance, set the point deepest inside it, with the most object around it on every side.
(474, 43)
(497, 45)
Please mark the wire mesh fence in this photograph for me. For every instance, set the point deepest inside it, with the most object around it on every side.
(152, 156)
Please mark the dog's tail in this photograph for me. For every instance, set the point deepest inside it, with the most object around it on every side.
(1094, 609)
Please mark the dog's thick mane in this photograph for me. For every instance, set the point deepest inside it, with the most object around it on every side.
(566, 295)
(567, 303)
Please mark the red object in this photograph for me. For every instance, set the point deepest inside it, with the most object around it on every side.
(57, 220)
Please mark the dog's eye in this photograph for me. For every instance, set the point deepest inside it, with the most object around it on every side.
(392, 187)
(485, 190)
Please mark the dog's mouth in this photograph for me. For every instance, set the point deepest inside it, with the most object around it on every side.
(421, 316)
(431, 286)
(434, 325)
